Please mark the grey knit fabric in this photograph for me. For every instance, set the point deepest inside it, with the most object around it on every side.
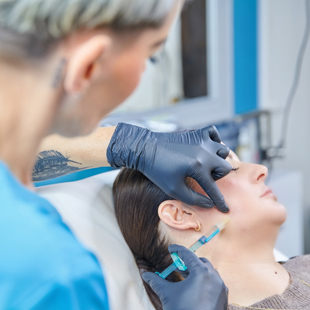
(296, 296)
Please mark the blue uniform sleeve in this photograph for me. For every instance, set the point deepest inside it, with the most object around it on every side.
(42, 264)
(87, 292)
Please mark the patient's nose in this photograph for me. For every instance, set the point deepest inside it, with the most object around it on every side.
(261, 173)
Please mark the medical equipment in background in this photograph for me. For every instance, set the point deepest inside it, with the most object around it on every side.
(255, 133)
(177, 261)
(277, 151)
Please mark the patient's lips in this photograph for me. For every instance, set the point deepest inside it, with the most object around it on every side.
(268, 193)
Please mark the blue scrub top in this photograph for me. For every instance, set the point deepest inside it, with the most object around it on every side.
(42, 265)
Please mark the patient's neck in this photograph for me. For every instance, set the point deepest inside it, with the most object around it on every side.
(249, 270)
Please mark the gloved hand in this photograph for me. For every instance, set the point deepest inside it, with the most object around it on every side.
(202, 289)
(168, 158)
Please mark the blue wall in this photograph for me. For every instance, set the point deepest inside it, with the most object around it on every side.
(246, 55)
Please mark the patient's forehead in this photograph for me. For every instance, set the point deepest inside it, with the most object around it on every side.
(232, 156)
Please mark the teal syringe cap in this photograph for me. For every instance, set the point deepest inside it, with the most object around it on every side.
(177, 264)
(178, 261)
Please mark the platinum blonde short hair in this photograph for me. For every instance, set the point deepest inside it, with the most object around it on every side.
(36, 24)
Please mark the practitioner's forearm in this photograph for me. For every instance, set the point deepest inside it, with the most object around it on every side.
(59, 156)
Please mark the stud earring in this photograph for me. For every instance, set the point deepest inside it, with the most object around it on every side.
(198, 228)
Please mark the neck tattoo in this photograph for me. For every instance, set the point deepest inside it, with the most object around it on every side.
(59, 73)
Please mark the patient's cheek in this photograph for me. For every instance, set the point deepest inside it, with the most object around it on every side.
(236, 194)
(229, 186)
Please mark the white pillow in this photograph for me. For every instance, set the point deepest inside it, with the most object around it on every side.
(86, 207)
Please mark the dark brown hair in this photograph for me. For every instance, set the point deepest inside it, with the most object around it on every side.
(136, 201)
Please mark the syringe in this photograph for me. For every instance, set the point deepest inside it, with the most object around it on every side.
(177, 261)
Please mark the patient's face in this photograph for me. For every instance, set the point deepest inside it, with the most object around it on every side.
(252, 204)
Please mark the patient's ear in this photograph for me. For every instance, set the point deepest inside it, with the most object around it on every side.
(177, 215)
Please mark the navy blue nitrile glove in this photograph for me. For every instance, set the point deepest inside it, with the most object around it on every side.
(167, 159)
(202, 289)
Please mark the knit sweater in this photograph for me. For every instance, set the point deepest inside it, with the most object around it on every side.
(297, 294)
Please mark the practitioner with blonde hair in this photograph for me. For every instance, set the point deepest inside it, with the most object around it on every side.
(64, 65)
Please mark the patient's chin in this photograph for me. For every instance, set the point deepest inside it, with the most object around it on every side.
(280, 215)
(274, 212)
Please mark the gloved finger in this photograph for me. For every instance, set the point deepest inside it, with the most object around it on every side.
(223, 151)
(218, 150)
(154, 281)
(209, 265)
(190, 259)
(212, 133)
(194, 264)
(221, 171)
(210, 187)
(184, 130)
(204, 260)
(185, 273)
(190, 197)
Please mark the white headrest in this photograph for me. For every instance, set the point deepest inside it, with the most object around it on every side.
(86, 207)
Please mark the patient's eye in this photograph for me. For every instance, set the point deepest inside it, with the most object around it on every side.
(234, 169)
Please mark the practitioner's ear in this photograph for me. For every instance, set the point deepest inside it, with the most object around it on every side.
(177, 215)
(83, 61)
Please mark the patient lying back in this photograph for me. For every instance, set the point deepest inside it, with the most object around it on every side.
(242, 253)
